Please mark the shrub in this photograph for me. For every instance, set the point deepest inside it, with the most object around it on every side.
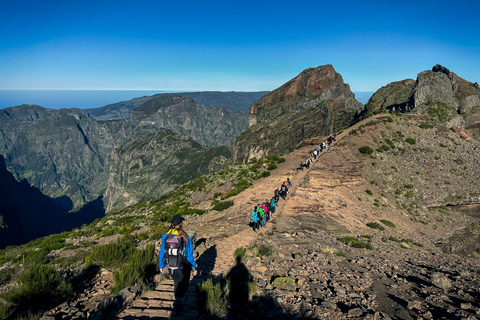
(211, 300)
(262, 250)
(39, 285)
(139, 270)
(365, 150)
(390, 143)
(272, 166)
(222, 205)
(262, 174)
(284, 283)
(369, 192)
(375, 225)
(341, 254)
(112, 254)
(240, 253)
(411, 140)
(388, 223)
(383, 148)
(356, 243)
(425, 126)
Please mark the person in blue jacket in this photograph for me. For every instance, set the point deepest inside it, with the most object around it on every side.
(176, 258)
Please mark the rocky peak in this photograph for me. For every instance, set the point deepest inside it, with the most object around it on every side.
(315, 103)
(313, 84)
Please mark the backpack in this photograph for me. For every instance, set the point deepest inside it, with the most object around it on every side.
(262, 213)
(174, 247)
(259, 216)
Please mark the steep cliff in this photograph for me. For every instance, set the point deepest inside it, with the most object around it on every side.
(316, 102)
(66, 153)
(154, 165)
(26, 213)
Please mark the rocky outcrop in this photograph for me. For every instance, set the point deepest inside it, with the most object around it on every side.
(393, 97)
(316, 102)
(154, 165)
(439, 94)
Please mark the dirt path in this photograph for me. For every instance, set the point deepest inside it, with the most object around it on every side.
(217, 259)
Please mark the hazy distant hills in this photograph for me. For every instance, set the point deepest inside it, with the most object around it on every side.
(235, 101)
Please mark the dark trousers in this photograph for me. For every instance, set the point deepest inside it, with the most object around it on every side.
(181, 279)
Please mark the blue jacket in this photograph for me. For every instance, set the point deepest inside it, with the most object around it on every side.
(188, 250)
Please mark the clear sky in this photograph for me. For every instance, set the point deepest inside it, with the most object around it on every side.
(231, 45)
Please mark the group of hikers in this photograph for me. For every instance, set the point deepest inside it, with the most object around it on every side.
(313, 156)
(176, 251)
(262, 213)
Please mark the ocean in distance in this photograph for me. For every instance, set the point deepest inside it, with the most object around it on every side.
(57, 99)
(85, 99)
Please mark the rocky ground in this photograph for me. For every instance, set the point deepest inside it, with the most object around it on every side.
(422, 265)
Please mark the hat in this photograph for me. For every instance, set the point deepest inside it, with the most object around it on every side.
(177, 219)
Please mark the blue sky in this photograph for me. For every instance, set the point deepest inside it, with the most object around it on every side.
(230, 45)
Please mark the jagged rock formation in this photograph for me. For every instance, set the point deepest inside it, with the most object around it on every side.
(235, 101)
(315, 103)
(438, 94)
(66, 153)
(156, 164)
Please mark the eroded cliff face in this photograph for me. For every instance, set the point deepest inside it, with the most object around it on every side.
(155, 164)
(316, 102)
(66, 153)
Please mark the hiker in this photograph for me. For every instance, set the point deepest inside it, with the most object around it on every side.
(276, 194)
(255, 220)
(283, 191)
(267, 213)
(263, 221)
(273, 205)
(176, 258)
(289, 182)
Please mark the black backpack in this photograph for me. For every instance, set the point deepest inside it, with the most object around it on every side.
(174, 251)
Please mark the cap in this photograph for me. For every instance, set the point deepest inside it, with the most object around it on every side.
(177, 219)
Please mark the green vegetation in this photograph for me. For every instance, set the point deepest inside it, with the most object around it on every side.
(240, 253)
(211, 300)
(341, 254)
(426, 126)
(411, 141)
(262, 250)
(112, 254)
(375, 225)
(365, 150)
(439, 111)
(369, 192)
(388, 223)
(222, 205)
(39, 285)
(356, 243)
(139, 270)
(283, 282)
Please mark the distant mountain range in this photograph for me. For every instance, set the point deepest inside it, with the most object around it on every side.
(66, 153)
(235, 101)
